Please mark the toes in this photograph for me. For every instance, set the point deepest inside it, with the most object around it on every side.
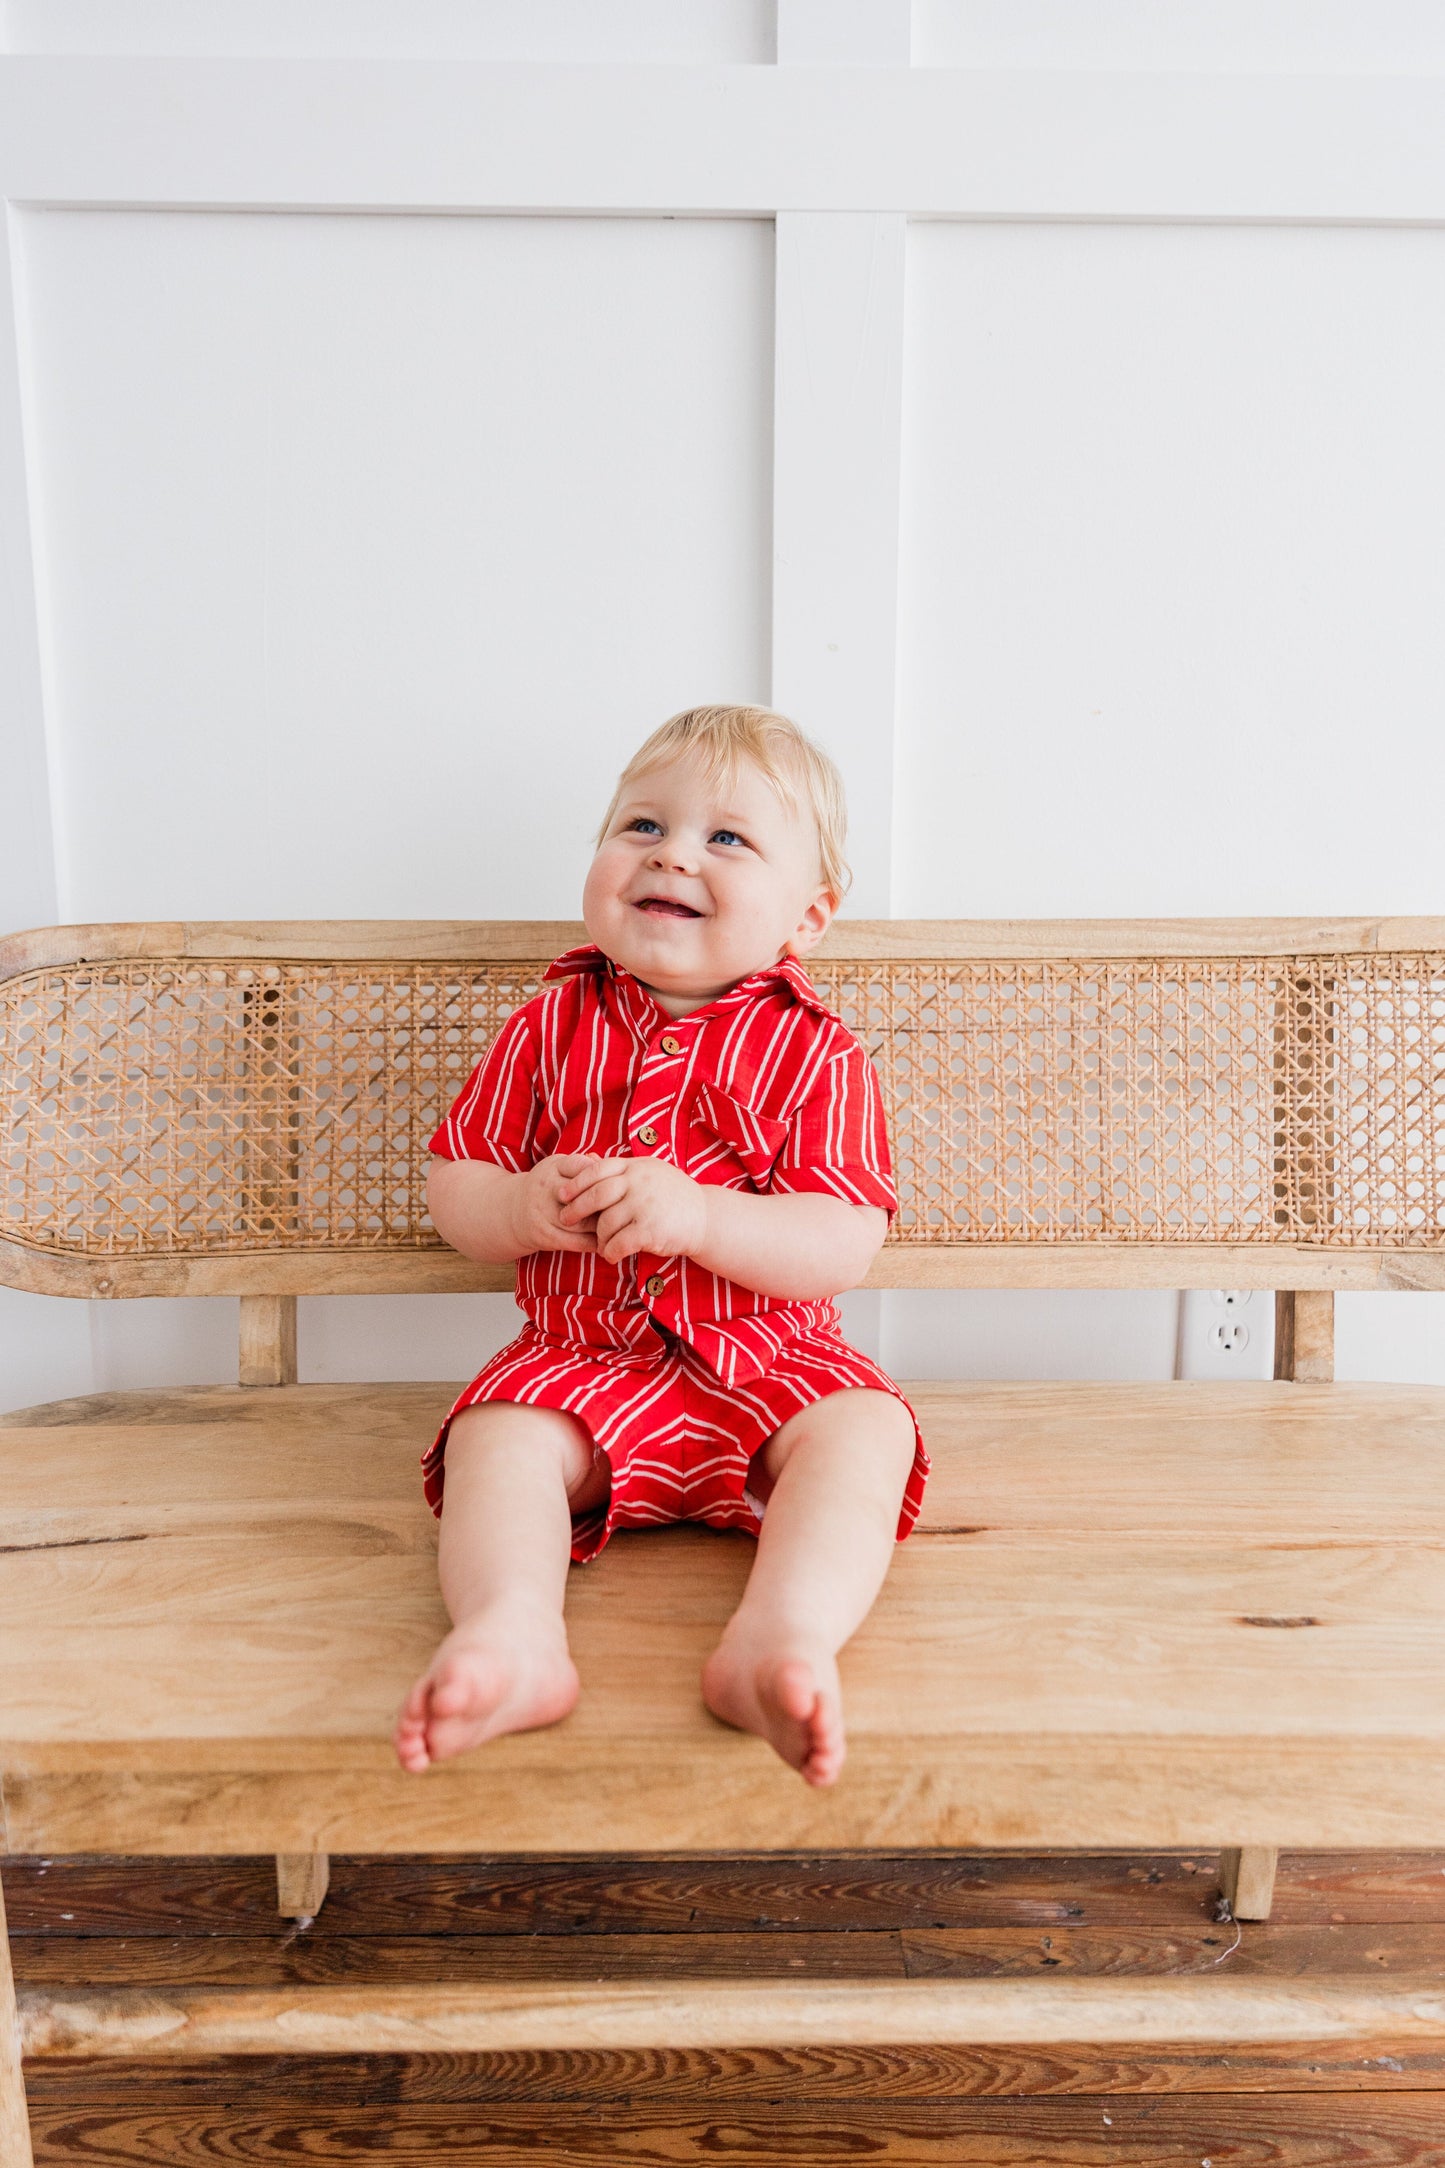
(819, 1719)
(471, 1694)
(413, 1709)
(782, 1701)
(824, 1761)
(410, 1743)
(812, 1732)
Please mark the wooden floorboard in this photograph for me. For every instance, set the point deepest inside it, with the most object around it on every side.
(149, 1923)
(1259, 1952)
(835, 1892)
(1118, 2131)
(817, 2076)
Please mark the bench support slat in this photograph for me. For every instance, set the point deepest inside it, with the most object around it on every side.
(1304, 1335)
(268, 1340)
(302, 1880)
(14, 2116)
(1247, 1875)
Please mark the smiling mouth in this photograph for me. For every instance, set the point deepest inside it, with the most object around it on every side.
(663, 907)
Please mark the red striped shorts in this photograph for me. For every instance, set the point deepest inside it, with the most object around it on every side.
(678, 1441)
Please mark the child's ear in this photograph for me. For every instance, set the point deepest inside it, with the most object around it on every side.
(813, 924)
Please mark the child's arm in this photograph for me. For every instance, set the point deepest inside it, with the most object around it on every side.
(799, 1247)
(493, 1216)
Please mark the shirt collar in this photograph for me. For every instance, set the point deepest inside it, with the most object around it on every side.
(787, 972)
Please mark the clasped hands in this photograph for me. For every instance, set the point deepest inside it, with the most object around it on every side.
(581, 1201)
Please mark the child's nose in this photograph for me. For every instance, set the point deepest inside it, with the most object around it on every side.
(675, 854)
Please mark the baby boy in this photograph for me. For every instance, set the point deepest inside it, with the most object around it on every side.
(685, 1152)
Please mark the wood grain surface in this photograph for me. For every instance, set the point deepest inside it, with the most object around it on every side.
(861, 938)
(781, 1894)
(1266, 2106)
(442, 2015)
(204, 1634)
(899, 1264)
(1253, 2133)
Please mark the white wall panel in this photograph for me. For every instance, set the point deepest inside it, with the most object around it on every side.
(835, 511)
(370, 549)
(180, 1340)
(850, 33)
(1014, 1333)
(1197, 36)
(428, 135)
(27, 853)
(400, 1337)
(45, 1351)
(578, 30)
(192, 1340)
(374, 545)
(1172, 567)
(1391, 1337)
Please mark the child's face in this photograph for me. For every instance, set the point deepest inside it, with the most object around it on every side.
(696, 885)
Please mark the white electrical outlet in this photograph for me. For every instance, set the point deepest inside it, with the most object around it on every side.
(1225, 1332)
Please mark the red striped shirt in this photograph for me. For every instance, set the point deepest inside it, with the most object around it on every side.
(762, 1090)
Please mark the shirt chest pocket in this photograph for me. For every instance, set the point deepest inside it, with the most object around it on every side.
(729, 1143)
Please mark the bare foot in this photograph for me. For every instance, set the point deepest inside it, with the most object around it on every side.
(486, 1678)
(792, 1700)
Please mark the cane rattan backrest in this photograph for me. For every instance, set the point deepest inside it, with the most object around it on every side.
(214, 1116)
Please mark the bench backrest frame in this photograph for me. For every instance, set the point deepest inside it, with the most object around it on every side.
(1018, 1262)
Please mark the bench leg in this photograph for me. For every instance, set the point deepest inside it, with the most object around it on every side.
(1304, 1335)
(1248, 1879)
(268, 1340)
(302, 1880)
(14, 2115)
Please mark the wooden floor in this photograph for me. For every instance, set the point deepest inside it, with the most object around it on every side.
(137, 1922)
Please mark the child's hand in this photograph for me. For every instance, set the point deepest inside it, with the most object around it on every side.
(636, 1204)
(537, 1204)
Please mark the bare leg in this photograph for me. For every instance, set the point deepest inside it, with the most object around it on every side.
(839, 1470)
(513, 1476)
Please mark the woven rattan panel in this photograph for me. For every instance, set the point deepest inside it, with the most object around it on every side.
(201, 1108)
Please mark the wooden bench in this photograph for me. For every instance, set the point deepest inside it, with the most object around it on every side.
(1135, 1614)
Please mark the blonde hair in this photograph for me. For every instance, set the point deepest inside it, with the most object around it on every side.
(722, 739)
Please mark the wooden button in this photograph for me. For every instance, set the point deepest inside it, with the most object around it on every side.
(656, 1284)
(647, 1135)
(672, 1046)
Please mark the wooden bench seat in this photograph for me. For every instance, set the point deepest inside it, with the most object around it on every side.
(212, 1600)
(1133, 1614)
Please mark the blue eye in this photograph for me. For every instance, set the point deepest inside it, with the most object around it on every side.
(726, 835)
(643, 822)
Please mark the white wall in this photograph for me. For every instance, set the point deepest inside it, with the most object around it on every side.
(347, 555)
(1197, 36)
(1173, 561)
(558, 30)
(364, 535)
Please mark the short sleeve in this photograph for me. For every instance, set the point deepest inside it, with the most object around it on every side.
(494, 1115)
(838, 1139)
